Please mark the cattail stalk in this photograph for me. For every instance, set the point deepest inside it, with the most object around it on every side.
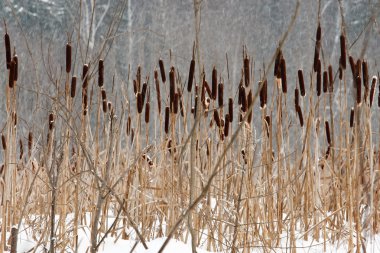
(73, 86)
(226, 124)
(331, 79)
(214, 84)
(372, 93)
(325, 81)
(283, 76)
(167, 111)
(85, 74)
(8, 53)
(343, 54)
(101, 73)
(230, 109)
(191, 75)
(162, 70)
(158, 93)
(220, 94)
(300, 117)
(352, 117)
(172, 87)
(246, 71)
(250, 105)
(147, 109)
(328, 136)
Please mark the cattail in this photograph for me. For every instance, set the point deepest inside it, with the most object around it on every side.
(216, 118)
(220, 94)
(358, 90)
(244, 103)
(250, 105)
(318, 36)
(101, 73)
(15, 118)
(296, 97)
(4, 142)
(267, 120)
(195, 106)
(30, 143)
(138, 77)
(343, 51)
(21, 149)
(147, 109)
(365, 80)
(353, 65)
(191, 75)
(373, 85)
(181, 107)
(316, 57)
(263, 93)
(207, 87)
(214, 84)
(85, 76)
(104, 106)
(331, 79)
(327, 128)
(73, 86)
(246, 71)
(175, 103)
(277, 63)
(167, 119)
(230, 109)
(104, 94)
(352, 117)
(132, 135)
(283, 76)
(162, 70)
(135, 89)
(300, 117)
(358, 68)
(226, 124)
(51, 121)
(7, 48)
(129, 125)
(301, 81)
(319, 83)
(325, 81)
(15, 59)
(140, 103)
(158, 93)
(109, 106)
(143, 91)
(68, 57)
(172, 87)
(11, 74)
(340, 73)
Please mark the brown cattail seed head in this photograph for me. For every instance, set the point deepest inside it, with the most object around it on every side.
(372, 93)
(328, 136)
(140, 103)
(30, 142)
(129, 125)
(220, 94)
(352, 65)
(250, 105)
(277, 63)
(296, 97)
(51, 121)
(207, 87)
(3, 142)
(226, 124)
(104, 103)
(352, 117)
(21, 149)
(135, 89)
(138, 77)
(283, 76)
(216, 118)
(147, 109)
(85, 76)
(73, 86)
(340, 73)
(214, 84)
(175, 103)
(319, 83)
(162, 70)
(267, 125)
(68, 58)
(331, 79)
(172, 87)
(300, 117)
(358, 90)
(109, 106)
(191, 75)
(325, 81)
(318, 36)
(7, 49)
(158, 94)
(244, 103)
(246, 71)
(167, 119)
(143, 91)
(104, 94)
(301, 82)
(15, 59)
(230, 109)
(101, 73)
(11, 74)
(343, 51)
